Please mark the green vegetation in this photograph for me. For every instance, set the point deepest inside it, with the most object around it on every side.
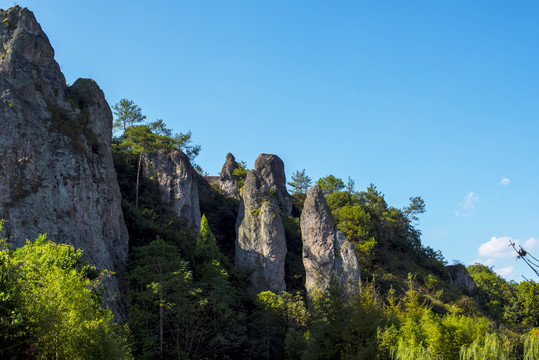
(240, 172)
(299, 186)
(146, 137)
(75, 128)
(51, 305)
(188, 301)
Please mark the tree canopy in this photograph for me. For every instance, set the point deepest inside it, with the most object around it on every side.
(51, 305)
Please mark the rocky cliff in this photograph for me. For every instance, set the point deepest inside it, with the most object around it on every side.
(177, 180)
(271, 168)
(227, 179)
(260, 241)
(327, 254)
(56, 172)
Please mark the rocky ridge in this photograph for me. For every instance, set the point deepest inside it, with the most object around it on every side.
(227, 179)
(271, 168)
(57, 175)
(260, 240)
(177, 180)
(327, 254)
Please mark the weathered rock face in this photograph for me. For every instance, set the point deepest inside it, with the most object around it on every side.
(327, 254)
(260, 242)
(271, 168)
(461, 279)
(56, 170)
(227, 179)
(177, 181)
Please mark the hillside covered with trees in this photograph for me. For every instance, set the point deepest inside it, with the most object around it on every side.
(249, 264)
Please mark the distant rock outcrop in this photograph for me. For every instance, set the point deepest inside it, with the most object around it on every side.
(177, 181)
(461, 279)
(271, 168)
(56, 173)
(260, 242)
(227, 179)
(327, 254)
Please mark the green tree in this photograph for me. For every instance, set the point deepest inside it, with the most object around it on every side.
(416, 207)
(281, 320)
(240, 172)
(495, 294)
(528, 296)
(223, 329)
(330, 184)
(127, 114)
(300, 182)
(57, 300)
(139, 137)
(206, 248)
(164, 301)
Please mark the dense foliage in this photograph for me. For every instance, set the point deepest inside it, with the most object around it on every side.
(188, 301)
(51, 306)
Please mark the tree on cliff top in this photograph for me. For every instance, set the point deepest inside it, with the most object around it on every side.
(127, 114)
(139, 137)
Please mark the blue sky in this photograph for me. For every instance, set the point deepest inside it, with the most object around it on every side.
(431, 98)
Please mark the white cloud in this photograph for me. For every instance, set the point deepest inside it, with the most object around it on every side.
(468, 205)
(530, 244)
(506, 272)
(496, 248)
(499, 248)
(505, 181)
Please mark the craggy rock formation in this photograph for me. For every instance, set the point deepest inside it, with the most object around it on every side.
(260, 242)
(327, 254)
(227, 178)
(461, 279)
(271, 168)
(56, 173)
(177, 181)
(346, 263)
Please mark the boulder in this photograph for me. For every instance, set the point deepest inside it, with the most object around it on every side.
(271, 168)
(260, 241)
(56, 175)
(177, 180)
(461, 279)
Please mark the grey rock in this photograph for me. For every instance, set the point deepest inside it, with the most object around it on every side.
(461, 279)
(327, 254)
(177, 180)
(271, 168)
(213, 180)
(346, 263)
(260, 241)
(227, 179)
(56, 174)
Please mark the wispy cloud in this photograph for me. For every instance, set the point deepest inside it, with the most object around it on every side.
(505, 181)
(498, 248)
(506, 272)
(467, 206)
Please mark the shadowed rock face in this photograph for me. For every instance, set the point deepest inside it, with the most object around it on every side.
(177, 181)
(227, 179)
(327, 254)
(260, 242)
(271, 168)
(461, 279)
(56, 173)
